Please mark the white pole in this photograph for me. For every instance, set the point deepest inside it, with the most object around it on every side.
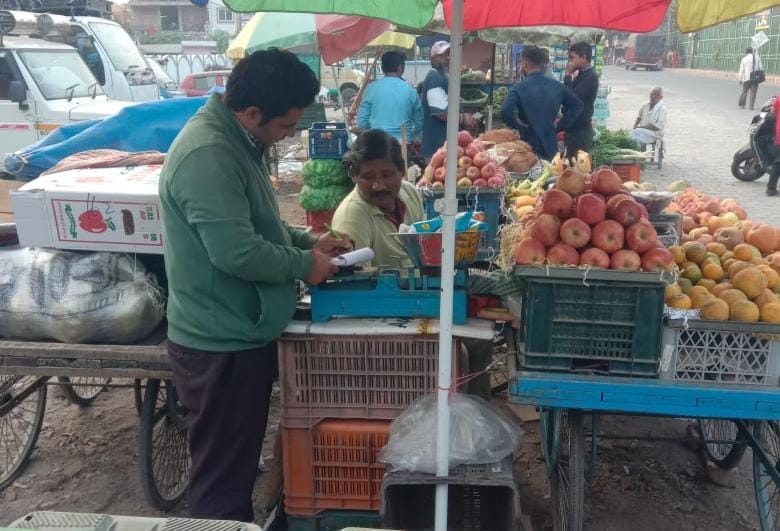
(448, 268)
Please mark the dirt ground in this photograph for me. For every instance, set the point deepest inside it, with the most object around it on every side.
(87, 461)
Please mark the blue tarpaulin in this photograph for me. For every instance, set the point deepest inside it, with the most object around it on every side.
(148, 126)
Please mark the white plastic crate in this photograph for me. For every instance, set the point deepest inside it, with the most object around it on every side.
(61, 521)
(721, 352)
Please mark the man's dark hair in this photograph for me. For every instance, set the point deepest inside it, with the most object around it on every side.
(533, 54)
(373, 144)
(392, 61)
(749, 50)
(274, 81)
(545, 56)
(582, 49)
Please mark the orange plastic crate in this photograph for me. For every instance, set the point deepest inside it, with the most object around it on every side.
(628, 172)
(333, 465)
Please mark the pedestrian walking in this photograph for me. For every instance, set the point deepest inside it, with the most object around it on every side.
(581, 79)
(750, 75)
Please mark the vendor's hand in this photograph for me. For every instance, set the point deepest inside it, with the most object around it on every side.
(332, 246)
(321, 269)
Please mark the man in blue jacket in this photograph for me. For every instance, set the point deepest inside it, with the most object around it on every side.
(532, 106)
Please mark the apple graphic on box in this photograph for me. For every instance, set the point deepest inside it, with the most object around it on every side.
(575, 232)
(625, 260)
(591, 208)
(641, 236)
(594, 257)
(547, 229)
(658, 259)
(530, 251)
(608, 236)
(563, 254)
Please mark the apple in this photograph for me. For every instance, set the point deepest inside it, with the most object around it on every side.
(547, 229)
(460, 152)
(625, 260)
(594, 257)
(438, 159)
(572, 182)
(464, 183)
(472, 150)
(423, 183)
(464, 162)
(488, 170)
(437, 185)
(575, 232)
(472, 173)
(481, 159)
(658, 259)
(529, 252)
(480, 183)
(460, 173)
(496, 182)
(428, 173)
(644, 213)
(613, 201)
(641, 236)
(562, 254)
(591, 209)
(627, 212)
(464, 138)
(556, 202)
(608, 236)
(439, 174)
(605, 181)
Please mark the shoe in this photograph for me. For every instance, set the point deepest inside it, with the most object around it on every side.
(772, 192)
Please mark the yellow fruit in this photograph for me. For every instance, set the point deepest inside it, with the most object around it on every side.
(672, 290)
(757, 260)
(770, 313)
(745, 251)
(707, 283)
(736, 267)
(751, 281)
(772, 278)
(685, 284)
(716, 310)
(728, 255)
(695, 251)
(732, 295)
(679, 254)
(717, 248)
(745, 311)
(712, 271)
(697, 290)
(692, 273)
(720, 288)
(765, 298)
(681, 302)
(700, 299)
(525, 200)
(728, 263)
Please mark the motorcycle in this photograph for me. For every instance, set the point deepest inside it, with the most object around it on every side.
(750, 160)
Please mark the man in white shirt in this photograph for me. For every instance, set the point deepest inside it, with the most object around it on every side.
(650, 124)
(750, 63)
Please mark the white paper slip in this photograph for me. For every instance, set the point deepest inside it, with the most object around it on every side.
(366, 254)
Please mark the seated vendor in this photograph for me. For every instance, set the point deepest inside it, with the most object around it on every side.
(381, 201)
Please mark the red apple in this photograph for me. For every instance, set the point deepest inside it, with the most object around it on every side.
(591, 209)
(439, 174)
(464, 183)
(438, 159)
(625, 260)
(496, 182)
(575, 232)
(608, 236)
(480, 183)
(464, 162)
(423, 183)
(641, 236)
(645, 213)
(658, 259)
(557, 202)
(613, 201)
(562, 254)
(473, 149)
(594, 257)
(627, 212)
(460, 173)
(481, 159)
(606, 182)
(464, 138)
(460, 152)
(488, 170)
(472, 173)
(547, 229)
(529, 252)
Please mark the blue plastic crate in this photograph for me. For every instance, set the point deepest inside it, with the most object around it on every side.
(487, 200)
(327, 140)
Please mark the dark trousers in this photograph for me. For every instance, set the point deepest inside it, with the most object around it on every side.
(227, 394)
(580, 139)
(752, 88)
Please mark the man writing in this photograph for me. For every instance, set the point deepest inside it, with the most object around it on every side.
(649, 125)
(232, 265)
(391, 102)
(537, 100)
(581, 78)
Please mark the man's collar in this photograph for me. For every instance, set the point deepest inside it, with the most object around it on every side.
(589, 67)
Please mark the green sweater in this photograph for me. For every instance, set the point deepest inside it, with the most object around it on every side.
(230, 259)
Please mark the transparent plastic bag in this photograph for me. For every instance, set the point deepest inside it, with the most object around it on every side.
(77, 297)
(479, 434)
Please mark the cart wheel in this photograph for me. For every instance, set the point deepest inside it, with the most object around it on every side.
(20, 422)
(726, 456)
(766, 474)
(567, 482)
(138, 395)
(83, 390)
(165, 456)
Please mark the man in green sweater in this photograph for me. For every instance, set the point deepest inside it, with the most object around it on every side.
(232, 266)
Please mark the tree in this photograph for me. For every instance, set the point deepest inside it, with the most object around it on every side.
(222, 39)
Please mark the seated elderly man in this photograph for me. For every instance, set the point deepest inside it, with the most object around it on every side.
(649, 125)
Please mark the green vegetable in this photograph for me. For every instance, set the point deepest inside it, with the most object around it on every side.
(472, 94)
(324, 198)
(499, 96)
(319, 173)
(612, 145)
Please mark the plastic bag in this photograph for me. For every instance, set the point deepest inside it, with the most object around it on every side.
(478, 435)
(326, 198)
(77, 297)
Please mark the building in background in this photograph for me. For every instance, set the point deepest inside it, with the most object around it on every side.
(151, 17)
(222, 18)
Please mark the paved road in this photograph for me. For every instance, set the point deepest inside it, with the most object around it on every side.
(704, 129)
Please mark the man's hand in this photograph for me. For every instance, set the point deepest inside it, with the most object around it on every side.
(570, 69)
(331, 246)
(321, 269)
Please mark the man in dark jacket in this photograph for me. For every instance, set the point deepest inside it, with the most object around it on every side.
(537, 100)
(581, 78)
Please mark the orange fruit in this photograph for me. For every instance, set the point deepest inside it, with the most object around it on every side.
(685, 284)
(691, 272)
(770, 313)
(672, 290)
(732, 295)
(712, 271)
(716, 310)
(695, 251)
(679, 254)
(751, 281)
(727, 255)
(772, 278)
(745, 311)
(767, 296)
(736, 267)
(745, 251)
(717, 248)
(700, 299)
(720, 288)
(707, 283)
(697, 290)
(681, 302)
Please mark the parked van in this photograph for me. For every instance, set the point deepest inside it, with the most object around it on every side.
(347, 79)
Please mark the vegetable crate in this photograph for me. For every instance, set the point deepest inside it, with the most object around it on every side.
(481, 498)
(627, 171)
(721, 352)
(318, 220)
(577, 320)
(365, 377)
(487, 200)
(334, 521)
(333, 465)
(327, 140)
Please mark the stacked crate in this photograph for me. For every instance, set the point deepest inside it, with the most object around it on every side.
(339, 394)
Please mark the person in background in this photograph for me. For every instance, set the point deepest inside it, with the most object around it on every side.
(390, 102)
(433, 92)
(773, 168)
(749, 64)
(232, 266)
(546, 65)
(537, 101)
(651, 121)
(581, 78)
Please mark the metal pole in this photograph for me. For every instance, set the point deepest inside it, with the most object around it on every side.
(448, 268)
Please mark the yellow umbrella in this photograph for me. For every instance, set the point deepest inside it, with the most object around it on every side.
(395, 39)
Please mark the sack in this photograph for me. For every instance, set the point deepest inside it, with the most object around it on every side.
(757, 76)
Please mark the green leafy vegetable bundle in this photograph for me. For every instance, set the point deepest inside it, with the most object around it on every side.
(613, 145)
(323, 198)
(318, 173)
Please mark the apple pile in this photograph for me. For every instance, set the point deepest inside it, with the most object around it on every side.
(475, 168)
(591, 220)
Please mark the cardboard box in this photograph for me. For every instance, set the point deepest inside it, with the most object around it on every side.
(101, 209)
(6, 187)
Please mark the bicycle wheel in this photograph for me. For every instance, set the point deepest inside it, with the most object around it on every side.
(766, 475)
(83, 390)
(20, 422)
(725, 456)
(567, 483)
(164, 451)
